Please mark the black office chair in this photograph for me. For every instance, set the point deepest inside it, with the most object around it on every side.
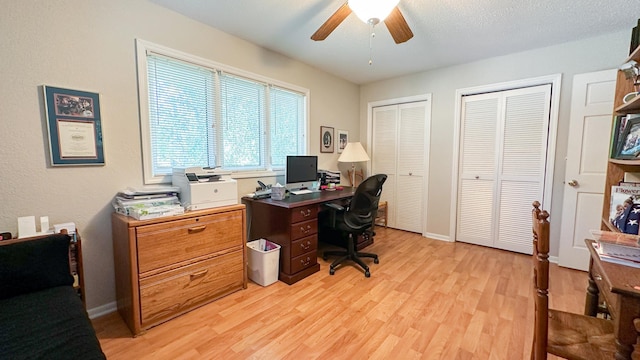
(356, 219)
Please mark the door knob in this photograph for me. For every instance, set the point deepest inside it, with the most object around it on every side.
(573, 183)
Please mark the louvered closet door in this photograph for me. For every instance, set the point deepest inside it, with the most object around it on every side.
(523, 165)
(502, 166)
(410, 169)
(476, 183)
(384, 154)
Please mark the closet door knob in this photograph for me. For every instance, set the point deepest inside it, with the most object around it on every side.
(573, 183)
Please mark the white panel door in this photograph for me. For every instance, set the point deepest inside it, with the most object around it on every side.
(384, 154)
(502, 165)
(411, 167)
(588, 147)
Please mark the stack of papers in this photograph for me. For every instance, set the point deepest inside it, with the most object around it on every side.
(617, 247)
(148, 202)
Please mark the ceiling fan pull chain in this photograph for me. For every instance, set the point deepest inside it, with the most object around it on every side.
(373, 35)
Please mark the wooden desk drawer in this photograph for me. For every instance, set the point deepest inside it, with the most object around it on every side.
(304, 213)
(174, 292)
(603, 287)
(304, 261)
(304, 245)
(173, 242)
(304, 229)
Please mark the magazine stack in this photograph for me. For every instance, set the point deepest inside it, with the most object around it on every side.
(625, 207)
(148, 202)
(617, 247)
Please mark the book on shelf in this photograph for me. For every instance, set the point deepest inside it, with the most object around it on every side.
(631, 177)
(624, 208)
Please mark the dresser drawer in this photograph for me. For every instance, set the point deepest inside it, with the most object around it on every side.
(304, 245)
(304, 213)
(172, 242)
(303, 229)
(603, 287)
(304, 261)
(174, 292)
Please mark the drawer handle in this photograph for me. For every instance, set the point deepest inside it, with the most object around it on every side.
(305, 213)
(306, 231)
(597, 277)
(199, 274)
(305, 246)
(197, 229)
(305, 263)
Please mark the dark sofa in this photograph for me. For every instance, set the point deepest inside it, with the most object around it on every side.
(41, 314)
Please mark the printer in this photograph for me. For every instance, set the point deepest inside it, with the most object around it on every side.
(204, 188)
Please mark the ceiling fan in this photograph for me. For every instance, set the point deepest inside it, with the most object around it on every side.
(371, 12)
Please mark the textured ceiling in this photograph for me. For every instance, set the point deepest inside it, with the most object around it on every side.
(446, 32)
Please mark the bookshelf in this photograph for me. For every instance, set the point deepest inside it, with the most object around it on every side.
(616, 168)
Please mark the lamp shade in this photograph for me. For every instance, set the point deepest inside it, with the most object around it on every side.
(372, 9)
(353, 152)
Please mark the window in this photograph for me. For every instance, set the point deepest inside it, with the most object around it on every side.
(197, 113)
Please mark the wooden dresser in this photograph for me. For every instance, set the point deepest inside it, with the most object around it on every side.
(167, 266)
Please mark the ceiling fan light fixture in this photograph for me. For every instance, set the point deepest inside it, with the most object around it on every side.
(372, 11)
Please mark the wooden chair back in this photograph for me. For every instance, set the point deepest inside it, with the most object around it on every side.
(540, 224)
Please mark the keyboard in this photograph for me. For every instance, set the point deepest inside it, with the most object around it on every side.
(300, 192)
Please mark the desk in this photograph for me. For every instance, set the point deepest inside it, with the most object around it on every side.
(292, 223)
(615, 283)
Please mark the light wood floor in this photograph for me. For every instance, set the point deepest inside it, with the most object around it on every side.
(426, 299)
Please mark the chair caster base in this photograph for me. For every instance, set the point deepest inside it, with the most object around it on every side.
(376, 261)
(367, 274)
(332, 271)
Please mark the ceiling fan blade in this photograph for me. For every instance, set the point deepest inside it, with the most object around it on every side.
(332, 22)
(398, 26)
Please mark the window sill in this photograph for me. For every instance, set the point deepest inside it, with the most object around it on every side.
(256, 174)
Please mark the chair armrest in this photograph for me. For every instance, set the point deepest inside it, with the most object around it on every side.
(334, 207)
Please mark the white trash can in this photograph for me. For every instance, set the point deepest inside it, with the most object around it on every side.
(264, 261)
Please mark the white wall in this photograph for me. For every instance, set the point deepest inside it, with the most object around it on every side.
(599, 53)
(90, 45)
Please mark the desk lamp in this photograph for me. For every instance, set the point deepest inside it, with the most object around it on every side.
(353, 153)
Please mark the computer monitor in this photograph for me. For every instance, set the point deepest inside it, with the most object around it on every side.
(300, 172)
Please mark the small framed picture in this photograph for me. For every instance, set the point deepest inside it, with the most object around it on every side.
(326, 139)
(74, 126)
(343, 139)
(629, 142)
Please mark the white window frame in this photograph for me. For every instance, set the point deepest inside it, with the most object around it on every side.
(143, 48)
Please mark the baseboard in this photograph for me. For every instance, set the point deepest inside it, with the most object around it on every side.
(437, 237)
(102, 310)
(553, 259)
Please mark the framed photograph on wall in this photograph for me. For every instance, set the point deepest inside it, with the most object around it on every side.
(326, 139)
(343, 139)
(629, 142)
(74, 127)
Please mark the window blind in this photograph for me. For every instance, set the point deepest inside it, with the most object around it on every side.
(243, 119)
(181, 114)
(287, 108)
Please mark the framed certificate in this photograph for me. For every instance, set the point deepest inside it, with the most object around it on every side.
(73, 123)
